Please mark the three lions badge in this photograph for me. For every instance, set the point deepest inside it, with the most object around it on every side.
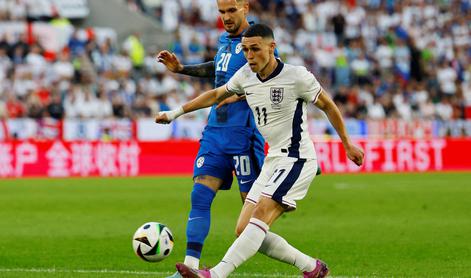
(276, 97)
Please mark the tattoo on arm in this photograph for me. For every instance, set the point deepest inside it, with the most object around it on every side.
(199, 70)
(225, 95)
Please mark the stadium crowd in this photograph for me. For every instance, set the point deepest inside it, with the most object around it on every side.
(379, 59)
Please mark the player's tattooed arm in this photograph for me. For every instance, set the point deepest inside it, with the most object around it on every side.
(232, 99)
(226, 95)
(199, 70)
(172, 63)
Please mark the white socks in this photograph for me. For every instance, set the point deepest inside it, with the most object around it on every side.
(244, 247)
(276, 247)
(256, 237)
(192, 262)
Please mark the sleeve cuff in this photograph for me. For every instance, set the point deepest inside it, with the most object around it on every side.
(316, 96)
(234, 91)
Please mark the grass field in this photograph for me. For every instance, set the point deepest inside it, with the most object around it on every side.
(408, 225)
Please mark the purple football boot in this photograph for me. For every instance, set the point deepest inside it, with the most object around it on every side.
(320, 271)
(187, 272)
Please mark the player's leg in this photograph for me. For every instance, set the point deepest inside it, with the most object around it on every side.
(291, 183)
(273, 245)
(213, 171)
(248, 163)
(249, 242)
(252, 180)
(266, 211)
(199, 219)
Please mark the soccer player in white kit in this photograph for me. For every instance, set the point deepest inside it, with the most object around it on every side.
(278, 95)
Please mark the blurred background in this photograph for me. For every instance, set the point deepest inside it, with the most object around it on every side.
(79, 79)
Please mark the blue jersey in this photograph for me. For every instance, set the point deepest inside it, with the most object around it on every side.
(231, 141)
(229, 59)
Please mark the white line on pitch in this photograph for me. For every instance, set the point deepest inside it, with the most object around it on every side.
(132, 272)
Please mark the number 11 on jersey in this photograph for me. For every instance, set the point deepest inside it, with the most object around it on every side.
(261, 115)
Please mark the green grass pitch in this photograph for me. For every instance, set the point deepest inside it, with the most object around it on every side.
(386, 225)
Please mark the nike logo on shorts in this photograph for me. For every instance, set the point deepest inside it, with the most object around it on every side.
(244, 182)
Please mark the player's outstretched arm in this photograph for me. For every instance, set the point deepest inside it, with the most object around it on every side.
(172, 63)
(204, 100)
(232, 99)
(326, 104)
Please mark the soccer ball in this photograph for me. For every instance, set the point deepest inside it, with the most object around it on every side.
(153, 242)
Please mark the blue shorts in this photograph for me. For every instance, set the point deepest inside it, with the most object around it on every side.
(227, 150)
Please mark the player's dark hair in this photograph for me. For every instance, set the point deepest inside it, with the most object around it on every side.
(259, 30)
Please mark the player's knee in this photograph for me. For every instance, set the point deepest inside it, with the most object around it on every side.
(211, 182)
(265, 210)
(202, 197)
(261, 212)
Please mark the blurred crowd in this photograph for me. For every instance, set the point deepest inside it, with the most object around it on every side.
(378, 58)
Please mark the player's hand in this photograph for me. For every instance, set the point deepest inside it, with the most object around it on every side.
(166, 117)
(170, 60)
(162, 118)
(355, 154)
(231, 99)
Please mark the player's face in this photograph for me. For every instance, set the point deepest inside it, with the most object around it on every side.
(257, 51)
(233, 14)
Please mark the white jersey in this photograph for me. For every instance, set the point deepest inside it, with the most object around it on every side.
(278, 104)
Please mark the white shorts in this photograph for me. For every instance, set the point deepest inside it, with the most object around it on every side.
(283, 179)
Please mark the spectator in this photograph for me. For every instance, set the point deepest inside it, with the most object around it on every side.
(88, 107)
(405, 41)
(384, 55)
(63, 68)
(5, 64)
(72, 102)
(55, 109)
(134, 47)
(447, 76)
(104, 107)
(14, 107)
(119, 108)
(338, 21)
(34, 107)
(3, 110)
(427, 110)
(17, 10)
(361, 69)
(376, 110)
(140, 107)
(444, 109)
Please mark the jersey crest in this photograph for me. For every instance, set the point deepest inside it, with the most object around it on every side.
(276, 96)
(238, 48)
(200, 162)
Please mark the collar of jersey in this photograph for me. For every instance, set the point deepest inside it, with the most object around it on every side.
(275, 73)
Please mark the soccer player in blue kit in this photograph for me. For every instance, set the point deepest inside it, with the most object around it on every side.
(231, 141)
